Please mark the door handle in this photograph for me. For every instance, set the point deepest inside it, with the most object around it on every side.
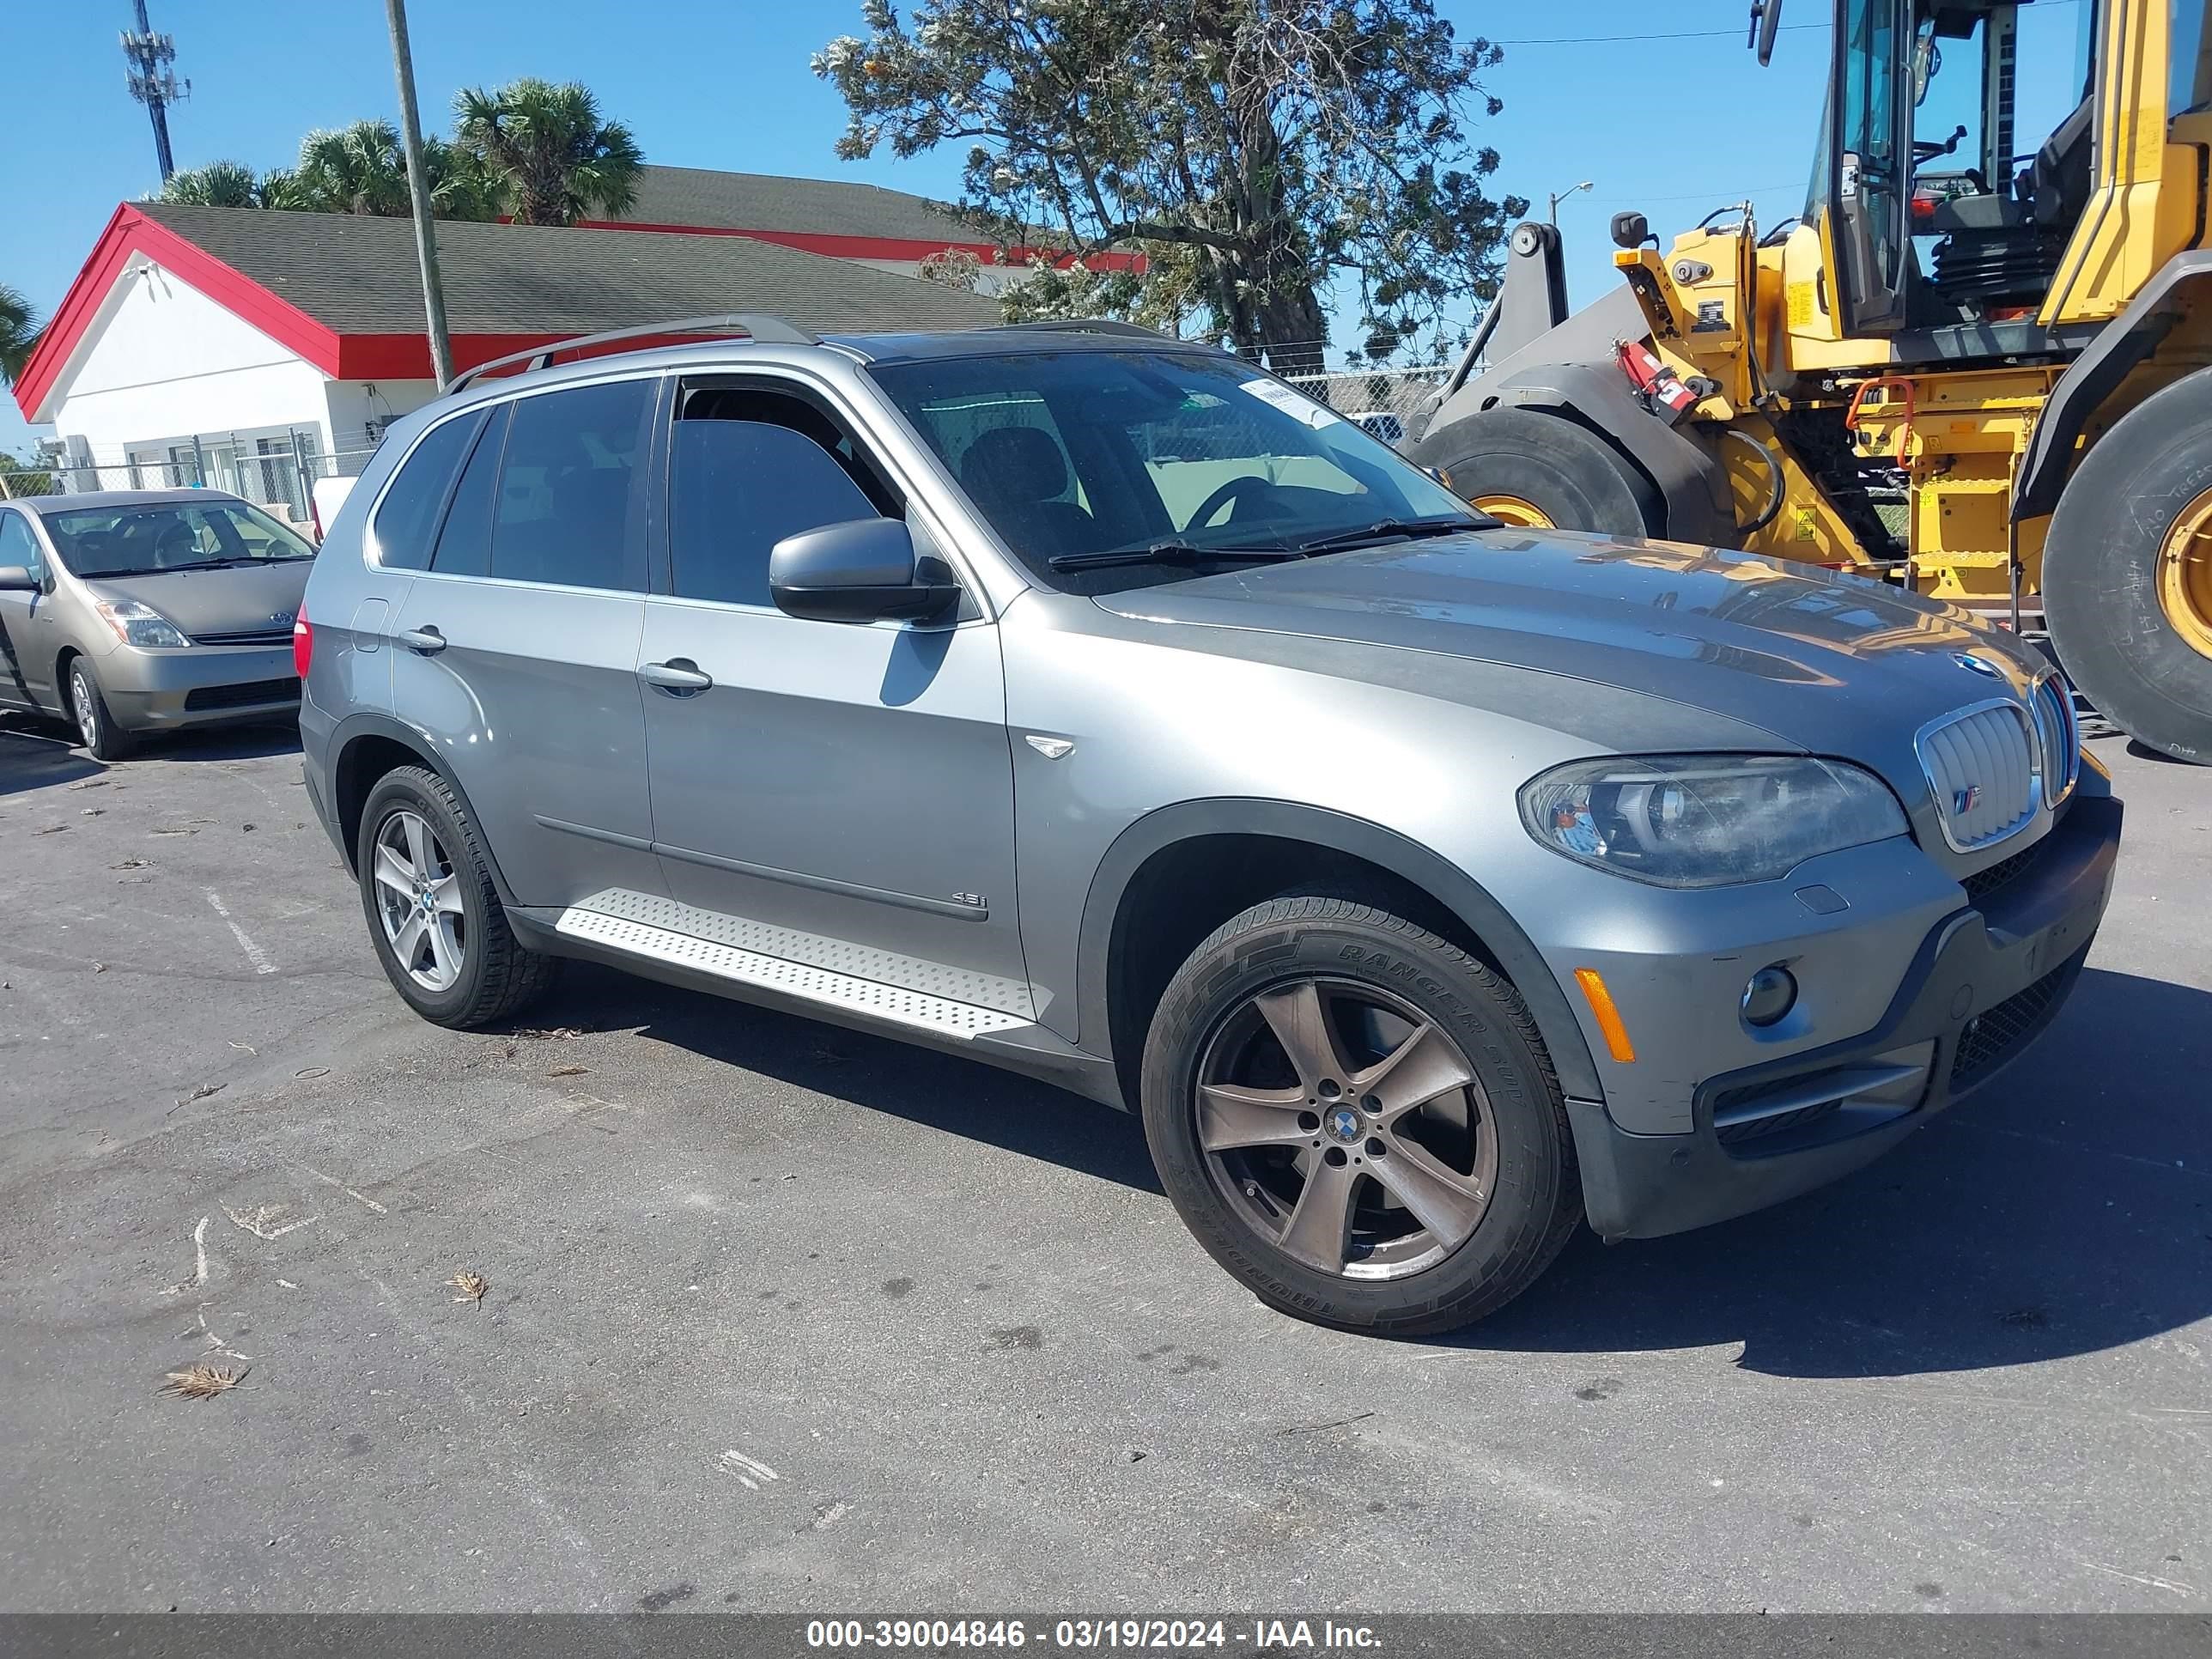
(429, 642)
(678, 674)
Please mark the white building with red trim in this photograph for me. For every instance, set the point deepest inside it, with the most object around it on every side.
(252, 350)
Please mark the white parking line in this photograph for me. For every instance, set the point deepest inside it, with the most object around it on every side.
(253, 952)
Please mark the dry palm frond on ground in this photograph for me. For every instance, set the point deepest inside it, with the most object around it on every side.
(201, 1382)
(472, 1287)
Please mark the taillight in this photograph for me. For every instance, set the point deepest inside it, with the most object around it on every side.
(303, 643)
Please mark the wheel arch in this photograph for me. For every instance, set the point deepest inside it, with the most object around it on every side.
(2122, 346)
(363, 748)
(1238, 847)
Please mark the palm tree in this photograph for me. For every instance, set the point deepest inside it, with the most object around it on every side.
(553, 159)
(355, 169)
(219, 183)
(19, 332)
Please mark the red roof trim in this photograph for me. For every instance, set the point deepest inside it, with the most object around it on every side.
(901, 248)
(130, 232)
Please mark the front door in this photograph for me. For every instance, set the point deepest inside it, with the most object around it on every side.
(28, 641)
(515, 652)
(836, 795)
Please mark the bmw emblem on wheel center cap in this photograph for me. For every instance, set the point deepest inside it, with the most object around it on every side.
(1342, 1124)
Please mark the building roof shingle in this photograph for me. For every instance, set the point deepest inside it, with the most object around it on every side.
(356, 275)
(766, 202)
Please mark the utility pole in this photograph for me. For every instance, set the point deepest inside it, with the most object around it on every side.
(153, 83)
(418, 192)
(1559, 196)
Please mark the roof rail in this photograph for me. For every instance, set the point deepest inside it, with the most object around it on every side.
(754, 324)
(1099, 326)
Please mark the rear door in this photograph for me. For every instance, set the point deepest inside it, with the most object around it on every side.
(836, 794)
(515, 652)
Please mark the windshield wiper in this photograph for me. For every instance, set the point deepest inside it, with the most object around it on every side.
(1386, 529)
(1171, 552)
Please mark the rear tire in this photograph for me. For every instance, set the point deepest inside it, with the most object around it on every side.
(1423, 1121)
(2109, 572)
(476, 973)
(103, 739)
(1566, 472)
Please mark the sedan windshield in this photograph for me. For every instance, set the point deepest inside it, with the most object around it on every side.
(146, 539)
(1106, 470)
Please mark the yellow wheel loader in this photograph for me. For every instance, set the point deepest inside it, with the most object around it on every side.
(1979, 364)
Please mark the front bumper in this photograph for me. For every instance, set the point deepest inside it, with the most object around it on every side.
(1985, 981)
(200, 685)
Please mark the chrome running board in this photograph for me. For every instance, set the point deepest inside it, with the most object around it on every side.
(869, 998)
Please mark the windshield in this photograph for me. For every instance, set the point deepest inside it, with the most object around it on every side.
(145, 539)
(1082, 452)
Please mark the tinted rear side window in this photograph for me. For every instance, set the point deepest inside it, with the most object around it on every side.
(407, 517)
(464, 544)
(563, 514)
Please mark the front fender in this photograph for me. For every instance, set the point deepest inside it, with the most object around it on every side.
(1356, 838)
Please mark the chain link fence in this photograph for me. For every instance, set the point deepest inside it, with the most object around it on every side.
(1382, 399)
(275, 470)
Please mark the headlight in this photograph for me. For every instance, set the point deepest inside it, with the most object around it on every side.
(1706, 820)
(139, 624)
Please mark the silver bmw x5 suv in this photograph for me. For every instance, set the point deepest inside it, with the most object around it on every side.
(1099, 706)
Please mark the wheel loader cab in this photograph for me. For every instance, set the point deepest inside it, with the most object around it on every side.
(1931, 206)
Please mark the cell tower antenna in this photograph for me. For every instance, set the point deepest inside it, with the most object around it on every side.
(154, 83)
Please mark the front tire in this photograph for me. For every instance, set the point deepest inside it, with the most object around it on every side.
(2127, 572)
(103, 739)
(1358, 1120)
(1541, 471)
(434, 914)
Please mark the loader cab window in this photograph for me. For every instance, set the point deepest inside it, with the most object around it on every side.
(1869, 174)
(2191, 85)
(2002, 135)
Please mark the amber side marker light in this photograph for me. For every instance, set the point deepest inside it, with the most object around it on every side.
(1609, 1016)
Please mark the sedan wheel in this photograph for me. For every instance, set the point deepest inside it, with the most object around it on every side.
(1344, 1126)
(418, 899)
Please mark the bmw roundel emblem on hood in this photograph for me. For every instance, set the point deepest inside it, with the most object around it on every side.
(1981, 665)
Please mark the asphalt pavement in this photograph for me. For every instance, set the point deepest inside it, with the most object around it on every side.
(776, 1315)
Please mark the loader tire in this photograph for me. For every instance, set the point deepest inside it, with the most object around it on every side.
(1543, 470)
(2127, 572)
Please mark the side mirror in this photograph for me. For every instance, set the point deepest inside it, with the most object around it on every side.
(857, 572)
(18, 579)
(1765, 24)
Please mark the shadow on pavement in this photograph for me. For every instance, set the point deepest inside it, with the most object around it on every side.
(32, 758)
(36, 751)
(963, 1098)
(2067, 1208)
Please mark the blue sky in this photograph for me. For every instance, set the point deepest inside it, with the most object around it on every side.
(723, 83)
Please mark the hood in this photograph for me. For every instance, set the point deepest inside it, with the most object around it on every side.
(241, 599)
(1823, 662)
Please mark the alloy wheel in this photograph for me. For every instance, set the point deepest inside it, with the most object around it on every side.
(83, 707)
(1344, 1127)
(418, 899)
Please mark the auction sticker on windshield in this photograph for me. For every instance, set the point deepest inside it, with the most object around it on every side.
(1294, 404)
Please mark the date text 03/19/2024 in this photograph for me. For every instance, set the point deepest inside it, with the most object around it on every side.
(1124, 1634)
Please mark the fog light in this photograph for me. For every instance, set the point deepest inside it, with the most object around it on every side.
(1767, 996)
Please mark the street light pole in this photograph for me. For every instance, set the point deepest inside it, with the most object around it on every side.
(1558, 196)
(418, 192)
